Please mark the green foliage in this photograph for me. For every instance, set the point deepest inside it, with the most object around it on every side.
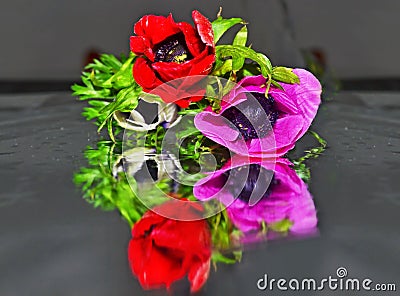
(109, 86)
(237, 53)
(223, 233)
(231, 258)
(221, 25)
(225, 238)
(103, 189)
(285, 75)
(298, 164)
(241, 37)
(280, 226)
(231, 59)
(126, 100)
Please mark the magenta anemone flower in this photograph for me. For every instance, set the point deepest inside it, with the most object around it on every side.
(281, 194)
(244, 127)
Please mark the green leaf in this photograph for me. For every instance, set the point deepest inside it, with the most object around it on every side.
(126, 100)
(240, 40)
(218, 257)
(285, 75)
(250, 70)
(302, 171)
(238, 52)
(94, 110)
(110, 129)
(276, 84)
(123, 78)
(281, 226)
(88, 91)
(221, 25)
(100, 186)
(222, 67)
(111, 61)
(320, 140)
(241, 37)
(298, 164)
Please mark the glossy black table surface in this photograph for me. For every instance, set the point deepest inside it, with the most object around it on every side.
(53, 243)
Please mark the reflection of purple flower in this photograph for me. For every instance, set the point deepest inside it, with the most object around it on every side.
(286, 198)
(289, 112)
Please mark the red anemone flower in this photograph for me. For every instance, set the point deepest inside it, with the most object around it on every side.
(168, 50)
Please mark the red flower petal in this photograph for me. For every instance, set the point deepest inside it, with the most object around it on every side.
(200, 65)
(144, 74)
(203, 66)
(163, 250)
(181, 209)
(156, 28)
(198, 275)
(153, 266)
(171, 71)
(204, 28)
(196, 234)
(185, 103)
(193, 42)
(140, 46)
(150, 31)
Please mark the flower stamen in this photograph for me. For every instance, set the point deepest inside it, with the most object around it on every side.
(259, 181)
(172, 49)
(239, 116)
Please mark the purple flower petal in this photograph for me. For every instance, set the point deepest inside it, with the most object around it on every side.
(297, 105)
(289, 198)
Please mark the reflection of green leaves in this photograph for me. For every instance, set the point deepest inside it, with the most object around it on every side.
(221, 25)
(224, 235)
(302, 171)
(232, 258)
(225, 238)
(298, 164)
(104, 190)
(281, 226)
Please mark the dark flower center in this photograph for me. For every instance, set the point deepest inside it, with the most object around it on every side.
(172, 49)
(259, 182)
(239, 116)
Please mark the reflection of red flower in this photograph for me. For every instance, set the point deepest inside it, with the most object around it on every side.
(170, 50)
(163, 250)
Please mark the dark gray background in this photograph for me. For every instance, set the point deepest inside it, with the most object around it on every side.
(48, 39)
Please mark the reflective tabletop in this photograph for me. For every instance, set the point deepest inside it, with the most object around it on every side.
(53, 243)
